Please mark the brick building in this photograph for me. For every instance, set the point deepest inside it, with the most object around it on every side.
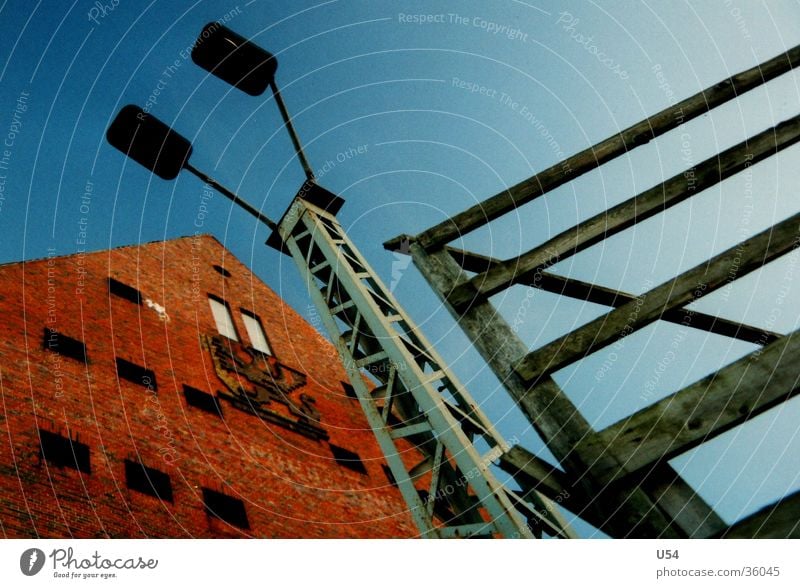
(162, 390)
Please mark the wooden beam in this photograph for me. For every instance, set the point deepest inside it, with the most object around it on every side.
(615, 510)
(581, 290)
(502, 349)
(681, 502)
(776, 521)
(612, 147)
(670, 492)
(649, 307)
(542, 280)
(709, 407)
(625, 215)
(400, 244)
(538, 474)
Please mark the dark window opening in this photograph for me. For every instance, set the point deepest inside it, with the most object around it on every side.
(64, 452)
(202, 400)
(349, 459)
(389, 475)
(349, 391)
(226, 508)
(221, 270)
(117, 288)
(63, 345)
(147, 480)
(136, 374)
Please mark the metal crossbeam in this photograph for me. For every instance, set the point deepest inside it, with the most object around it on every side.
(452, 492)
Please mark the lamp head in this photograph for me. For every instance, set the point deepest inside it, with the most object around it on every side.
(149, 142)
(234, 59)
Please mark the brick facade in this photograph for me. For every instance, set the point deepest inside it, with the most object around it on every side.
(267, 467)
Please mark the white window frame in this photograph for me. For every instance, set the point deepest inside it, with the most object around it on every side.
(255, 332)
(223, 318)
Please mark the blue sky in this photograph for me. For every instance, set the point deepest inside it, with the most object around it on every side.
(414, 121)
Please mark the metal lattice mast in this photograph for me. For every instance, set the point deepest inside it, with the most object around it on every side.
(452, 491)
(419, 409)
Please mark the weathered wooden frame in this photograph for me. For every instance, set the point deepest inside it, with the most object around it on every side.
(619, 478)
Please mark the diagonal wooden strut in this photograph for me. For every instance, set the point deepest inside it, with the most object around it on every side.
(578, 289)
(603, 152)
(709, 407)
(625, 215)
(740, 260)
(620, 479)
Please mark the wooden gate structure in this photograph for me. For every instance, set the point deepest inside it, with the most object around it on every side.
(619, 478)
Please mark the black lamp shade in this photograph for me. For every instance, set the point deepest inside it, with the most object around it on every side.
(234, 59)
(149, 142)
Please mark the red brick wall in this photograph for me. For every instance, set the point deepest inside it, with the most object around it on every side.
(289, 483)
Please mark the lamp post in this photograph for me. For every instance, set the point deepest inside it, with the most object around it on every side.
(246, 66)
(230, 57)
(451, 492)
(154, 145)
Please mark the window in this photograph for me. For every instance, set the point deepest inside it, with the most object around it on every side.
(221, 270)
(64, 452)
(258, 339)
(136, 374)
(349, 459)
(202, 400)
(223, 318)
(117, 288)
(226, 508)
(147, 480)
(63, 345)
(349, 391)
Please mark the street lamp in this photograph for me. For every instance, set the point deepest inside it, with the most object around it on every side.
(369, 328)
(165, 152)
(234, 59)
(154, 145)
(251, 69)
(149, 142)
(245, 66)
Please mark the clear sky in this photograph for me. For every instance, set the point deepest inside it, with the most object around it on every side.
(413, 111)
